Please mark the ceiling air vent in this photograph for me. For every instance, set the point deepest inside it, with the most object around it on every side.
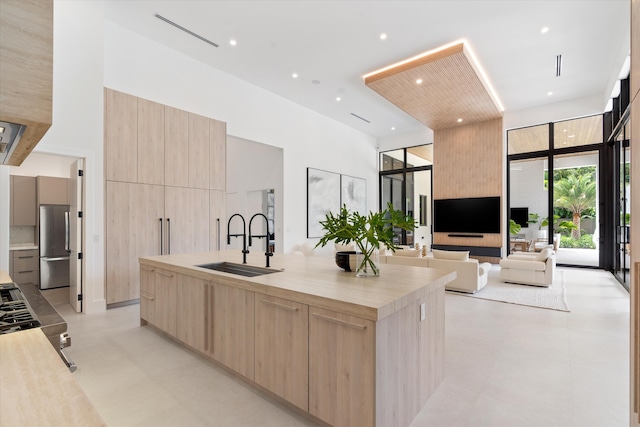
(363, 119)
(180, 27)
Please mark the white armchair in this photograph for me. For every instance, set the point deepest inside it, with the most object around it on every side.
(530, 269)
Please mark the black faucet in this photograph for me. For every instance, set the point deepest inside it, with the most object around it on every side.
(245, 250)
(267, 253)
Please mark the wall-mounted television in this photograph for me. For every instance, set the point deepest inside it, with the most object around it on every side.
(520, 216)
(470, 215)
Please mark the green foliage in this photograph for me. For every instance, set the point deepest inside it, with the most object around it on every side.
(576, 192)
(514, 227)
(584, 242)
(366, 231)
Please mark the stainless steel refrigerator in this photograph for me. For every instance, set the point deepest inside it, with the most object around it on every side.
(54, 246)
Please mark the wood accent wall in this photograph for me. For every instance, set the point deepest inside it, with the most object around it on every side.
(469, 162)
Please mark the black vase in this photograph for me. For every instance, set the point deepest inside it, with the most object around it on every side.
(342, 259)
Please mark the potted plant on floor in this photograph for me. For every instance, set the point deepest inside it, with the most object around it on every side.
(367, 232)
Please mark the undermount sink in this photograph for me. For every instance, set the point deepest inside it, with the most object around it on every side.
(239, 269)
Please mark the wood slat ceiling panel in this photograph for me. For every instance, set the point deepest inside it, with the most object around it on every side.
(450, 89)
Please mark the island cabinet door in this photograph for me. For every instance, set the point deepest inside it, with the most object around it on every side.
(166, 293)
(341, 368)
(191, 319)
(282, 348)
(233, 328)
(148, 294)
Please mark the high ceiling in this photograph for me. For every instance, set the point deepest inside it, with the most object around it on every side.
(331, 45)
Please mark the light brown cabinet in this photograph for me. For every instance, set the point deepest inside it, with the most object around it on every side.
(233, 328)
(25, 267)
(150, 142)
(52, 190)
(23, 201)
(26, 70)
(192, 311)
(166, 294)
(335, 379)
(134, 229)
(148, 294)
(120, 136)
(186, 214)
(282, 348)
(147, 143)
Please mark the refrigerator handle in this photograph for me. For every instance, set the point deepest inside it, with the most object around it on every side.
(168, 236)
(66, 231)
(161, 239)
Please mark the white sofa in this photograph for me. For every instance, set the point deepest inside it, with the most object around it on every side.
(529, 269)
(471, 275)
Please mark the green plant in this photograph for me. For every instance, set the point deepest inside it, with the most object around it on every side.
(366, 231)
(577, 193)
(534, 218)
(584, 242)
(559, 226)
(514, 227)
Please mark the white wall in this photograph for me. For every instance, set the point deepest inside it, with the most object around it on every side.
(38, 164)
(554, 112)
(251, 168)
(141, 67)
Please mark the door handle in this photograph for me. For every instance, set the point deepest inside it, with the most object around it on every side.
(62, 258)
(66, 231)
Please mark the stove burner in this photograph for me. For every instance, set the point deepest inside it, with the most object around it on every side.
(15, 313)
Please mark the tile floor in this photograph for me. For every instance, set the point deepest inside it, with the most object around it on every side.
(506, 365)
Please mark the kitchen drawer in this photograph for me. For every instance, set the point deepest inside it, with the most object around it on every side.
(26, 260)
(26, 276)
(26, 266)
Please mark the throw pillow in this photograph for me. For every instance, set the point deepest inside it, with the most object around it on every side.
(544, 254)
(454, 255)
(407, 252)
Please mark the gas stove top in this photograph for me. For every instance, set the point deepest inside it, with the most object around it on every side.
(15, 312)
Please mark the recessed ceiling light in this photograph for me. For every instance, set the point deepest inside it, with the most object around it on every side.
(232, 42)
(459, 120)
(571, 136)
(419, 81)
(564, 130)
(338, 99)
(549, 93)
(393, 128)
(544, 30)
(294, 75)
(383, 36)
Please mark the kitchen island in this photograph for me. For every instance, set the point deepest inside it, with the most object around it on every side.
(345, 350)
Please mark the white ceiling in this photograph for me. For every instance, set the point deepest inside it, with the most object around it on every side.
(337, 42)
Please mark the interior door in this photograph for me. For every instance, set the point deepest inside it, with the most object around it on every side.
(75, 235)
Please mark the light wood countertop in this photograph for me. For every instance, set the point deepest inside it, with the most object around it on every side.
(316, 281)
(36, 387)
(4, 277)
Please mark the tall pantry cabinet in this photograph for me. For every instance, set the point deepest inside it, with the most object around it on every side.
(165, 186)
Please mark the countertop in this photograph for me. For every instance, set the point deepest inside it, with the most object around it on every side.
(316, 281)
(37, 388)
(23, 247)
(4, 277)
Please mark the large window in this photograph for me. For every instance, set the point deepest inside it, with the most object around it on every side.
(555, 180)
(406, 182)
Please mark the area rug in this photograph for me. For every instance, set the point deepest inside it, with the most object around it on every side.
(552, 298)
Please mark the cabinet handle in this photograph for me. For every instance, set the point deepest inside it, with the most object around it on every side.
(161, 239)
(165, 274)
(147, 296)
(342, 322)
(26, 257)
(26, 271)
(282, 306)
(168, 236)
